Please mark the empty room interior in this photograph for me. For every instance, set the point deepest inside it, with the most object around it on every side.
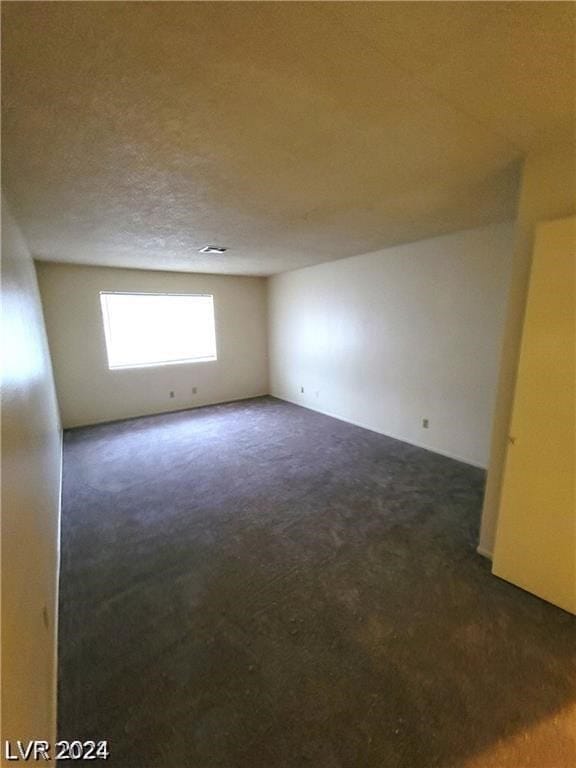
(288, 384)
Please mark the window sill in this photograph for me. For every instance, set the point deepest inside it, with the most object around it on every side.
(133, 366)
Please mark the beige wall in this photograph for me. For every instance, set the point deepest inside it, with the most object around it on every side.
(386, 339)
(31, 471)
(536, 538)
(89, 392)
(548, 192)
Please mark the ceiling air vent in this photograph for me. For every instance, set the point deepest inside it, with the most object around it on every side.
(213, 249)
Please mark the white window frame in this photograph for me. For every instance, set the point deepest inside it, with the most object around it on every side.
(185, 361)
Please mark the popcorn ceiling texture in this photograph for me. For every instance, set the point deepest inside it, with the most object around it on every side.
(293, 133)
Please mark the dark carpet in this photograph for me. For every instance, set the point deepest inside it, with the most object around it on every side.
(254, 585)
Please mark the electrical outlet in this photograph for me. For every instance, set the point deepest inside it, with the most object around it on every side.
(194, 390)
(172, 393)
(301, 390)
(425, 423)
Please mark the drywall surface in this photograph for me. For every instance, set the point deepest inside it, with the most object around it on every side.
(387, 339)
(263, 138)
(89, 392)
(548, 192)
(31, 474)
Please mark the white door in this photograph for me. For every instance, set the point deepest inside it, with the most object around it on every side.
(536, 535)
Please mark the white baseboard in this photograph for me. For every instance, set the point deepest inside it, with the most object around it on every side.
(142, 415)
(432, 449)
(484, 552)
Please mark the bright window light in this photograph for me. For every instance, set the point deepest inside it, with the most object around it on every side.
(158, 328)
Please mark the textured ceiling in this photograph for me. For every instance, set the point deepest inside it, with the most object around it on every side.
(293, 133)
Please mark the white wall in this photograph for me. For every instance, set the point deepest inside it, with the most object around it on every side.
(388, 338)
(31, 471)
(89, 392)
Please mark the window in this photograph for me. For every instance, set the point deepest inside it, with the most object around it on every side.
(158, 328)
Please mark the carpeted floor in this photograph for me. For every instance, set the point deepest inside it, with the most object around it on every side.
(254, 585)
